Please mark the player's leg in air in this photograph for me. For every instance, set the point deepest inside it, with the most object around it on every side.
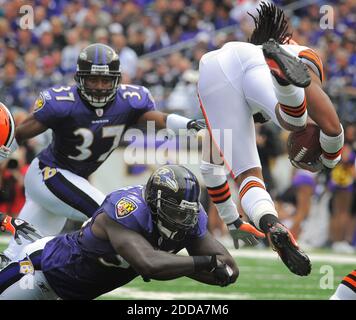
(346, 290)
(269, 84)
(229, 100)
(55, 195)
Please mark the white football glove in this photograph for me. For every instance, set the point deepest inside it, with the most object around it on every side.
(241, 230)
(18, 227)
(5, 152)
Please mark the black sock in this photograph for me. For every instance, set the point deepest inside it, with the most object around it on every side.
(267, 221)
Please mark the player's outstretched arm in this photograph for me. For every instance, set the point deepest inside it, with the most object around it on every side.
(322, 111)
(29, 128)
(172, 121)
(226, 271)
(148, 262)
(320, 107)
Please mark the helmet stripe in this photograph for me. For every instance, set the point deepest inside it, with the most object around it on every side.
(186, 193)
(104, 56)
(189, 190)
(96, 55)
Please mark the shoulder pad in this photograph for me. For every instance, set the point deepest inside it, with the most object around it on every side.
(138, 97)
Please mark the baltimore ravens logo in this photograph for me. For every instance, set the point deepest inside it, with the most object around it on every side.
(39, 103)
(166, 177)
(125, 207)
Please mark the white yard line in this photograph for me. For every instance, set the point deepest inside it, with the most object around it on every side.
(314, 257)
(154, 295)
(336, 258)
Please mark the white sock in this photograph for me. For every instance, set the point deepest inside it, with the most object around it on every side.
(218, 188)
(290, 95)
(255, 200)
(293, 108)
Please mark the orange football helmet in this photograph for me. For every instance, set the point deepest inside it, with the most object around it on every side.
(7, 126)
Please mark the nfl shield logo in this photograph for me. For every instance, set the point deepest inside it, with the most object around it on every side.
(99, 112)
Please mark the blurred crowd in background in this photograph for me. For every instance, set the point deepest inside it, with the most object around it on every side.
(160, 43)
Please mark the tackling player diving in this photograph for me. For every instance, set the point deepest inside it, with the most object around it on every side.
(137, 231)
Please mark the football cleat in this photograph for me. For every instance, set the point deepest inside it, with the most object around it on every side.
(4, 261)
(284, 67)
(283, 242)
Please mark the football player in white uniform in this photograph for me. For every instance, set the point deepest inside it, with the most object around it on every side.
(268, 78)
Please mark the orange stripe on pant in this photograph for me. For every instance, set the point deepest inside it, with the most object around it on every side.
(250, 185)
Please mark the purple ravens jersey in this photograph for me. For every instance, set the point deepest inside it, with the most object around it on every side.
(82, 266)
(83, 137)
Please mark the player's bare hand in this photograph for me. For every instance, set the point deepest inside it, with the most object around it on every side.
(310, 166)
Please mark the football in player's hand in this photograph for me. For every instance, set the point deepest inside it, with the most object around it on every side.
(304, 145)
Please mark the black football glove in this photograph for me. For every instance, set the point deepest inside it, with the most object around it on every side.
(222, 272)
(196, 125)
(18, 228)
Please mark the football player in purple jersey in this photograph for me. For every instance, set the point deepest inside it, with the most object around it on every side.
(87, 120)
(137, 231)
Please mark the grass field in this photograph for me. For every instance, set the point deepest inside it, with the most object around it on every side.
(262, 276)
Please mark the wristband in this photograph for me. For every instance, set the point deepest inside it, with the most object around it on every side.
(175, 122)
(237, 223)
(202, 263)
(331, 146)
